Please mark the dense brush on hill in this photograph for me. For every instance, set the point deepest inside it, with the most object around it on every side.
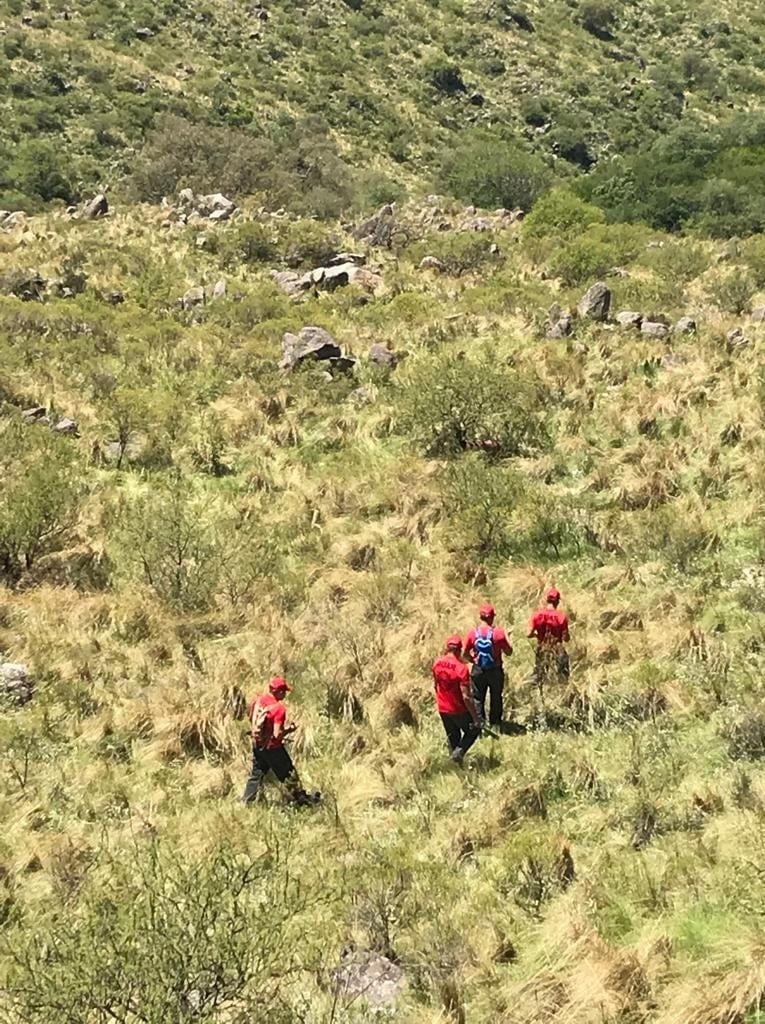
(188, 506)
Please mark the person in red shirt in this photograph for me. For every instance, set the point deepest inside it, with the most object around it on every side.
(485, 647)
(268, 718)
(454, 699)
(549, 626)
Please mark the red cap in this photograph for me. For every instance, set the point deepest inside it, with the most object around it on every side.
(486, 611)
(454, 642)
(553, 595)
(279, 685)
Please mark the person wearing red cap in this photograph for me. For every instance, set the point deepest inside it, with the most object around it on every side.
(268, 718)
(549, 626)
(454, 699)
(485, 647)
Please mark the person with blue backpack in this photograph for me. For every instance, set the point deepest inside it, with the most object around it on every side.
(485, 647)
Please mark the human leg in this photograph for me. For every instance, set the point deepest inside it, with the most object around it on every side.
(480, 684)
(453, 732)
(496, 683)
(257, 774)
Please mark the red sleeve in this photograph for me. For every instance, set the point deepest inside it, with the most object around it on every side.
(464, 675)
(534, 622)
(565, 627)
(279, 715)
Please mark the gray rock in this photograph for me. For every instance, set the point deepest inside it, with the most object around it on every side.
(219, 290)
(97, 207)
(144, 33)
(357, 258)
(673, 360)
(221, 214)
(758, 315)
(563, 327)
(381, 355)
(595, 304)
(27, 285)
(431, 263)
(736, 339)
(685, 325)
(66, 426)
(654, 329)
(288, 282)
(629, 319)
(377, 230)
(370, 977)
(310, 343)
(186, 197)
(193, 297)
(364, 395)
(477, 224)
(34, 413)
(16, 683)
(114, 298)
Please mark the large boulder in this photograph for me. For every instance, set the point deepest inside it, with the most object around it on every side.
(685, 325)
(595, 304)
(629, 319)
(378, 229)
(289, 282)
(654, 329)
(559, 323)
(193, 297)
(312, 343)
(97, 207)
(16, 683)
(382, 356)
(66, 426)
(431, 263)
(370, 977)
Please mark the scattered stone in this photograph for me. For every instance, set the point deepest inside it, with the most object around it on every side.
(629, 319)
(736, 339)
(16, 683)
(595, 304)
(685, 325)
(219, 290)
(193, 297)
(34, 414)
(654, 329)
(477, 99)
(97, 207)
(215, 206)
(288, 281)
(115, 298)
(381, 355)
(370, 977)
(16, 219)
(559, 323)
(431, 263)
(477, 224)
(332, 277)
(67, 426)
(357, 258)
(364, 395)
(310, 343)
(144, 32)
(378, 229)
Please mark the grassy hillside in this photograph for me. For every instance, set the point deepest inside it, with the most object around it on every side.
(218, 519)
(352, 103)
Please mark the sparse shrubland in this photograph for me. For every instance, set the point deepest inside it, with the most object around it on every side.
(209, 519)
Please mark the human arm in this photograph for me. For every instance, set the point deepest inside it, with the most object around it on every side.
(532, 627)
(467, 697)
(467, 649)
(505, 642)
(565, 633)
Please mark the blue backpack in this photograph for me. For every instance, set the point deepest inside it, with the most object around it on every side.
(484, 650)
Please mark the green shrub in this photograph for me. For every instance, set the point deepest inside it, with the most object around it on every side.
(459, 253)
(450, 405)
(561, 214)
(164, 938)
(41, 496)
(490, 173)
(479, 499)
(733, 292)
(251, 243)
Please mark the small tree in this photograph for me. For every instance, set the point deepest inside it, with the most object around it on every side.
(489, 173)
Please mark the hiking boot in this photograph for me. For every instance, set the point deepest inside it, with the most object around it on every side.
(457, 755)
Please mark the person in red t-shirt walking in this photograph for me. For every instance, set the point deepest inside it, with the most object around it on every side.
(454, 699)
(550, 627)
(268, 717)
(484, 648)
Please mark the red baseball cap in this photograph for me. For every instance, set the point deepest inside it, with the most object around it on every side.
(553, 594)
(454, 641)
(486, 611)
(279, 685)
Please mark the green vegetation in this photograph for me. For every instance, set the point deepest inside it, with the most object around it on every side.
(209, 519)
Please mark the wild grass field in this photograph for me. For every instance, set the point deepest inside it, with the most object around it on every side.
(182, 516)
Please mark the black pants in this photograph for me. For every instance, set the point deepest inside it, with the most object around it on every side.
(276, 760)
(551, 661)
(460, 731)
(491, 681)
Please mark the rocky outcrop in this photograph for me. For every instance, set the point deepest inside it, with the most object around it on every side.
(16, 683)
(629, 319)
(310, 343)
(369, 977)
(97, 207)
(654, 329)
(685, 325)
(214, 207)
(595, 304)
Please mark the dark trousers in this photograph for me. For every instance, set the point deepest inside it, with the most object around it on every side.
(460, 731)
(552, 661)
(276, 760)
(491, 681)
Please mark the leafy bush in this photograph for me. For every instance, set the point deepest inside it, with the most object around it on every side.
(41, 496)
(164, 939)
(561, 214)
(450, 405)
(250, 243)
(479, 499)
(595, 252)
(490, 173)
(733, 292)
(459, 253)
(598, 18)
